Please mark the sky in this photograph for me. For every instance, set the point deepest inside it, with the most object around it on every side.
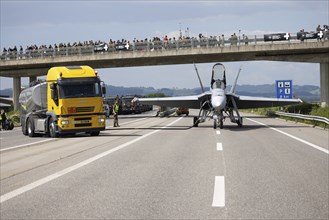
(52, 22)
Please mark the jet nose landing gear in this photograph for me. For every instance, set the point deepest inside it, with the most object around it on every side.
(218, 122)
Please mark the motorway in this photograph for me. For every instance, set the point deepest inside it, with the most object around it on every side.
(163, 168)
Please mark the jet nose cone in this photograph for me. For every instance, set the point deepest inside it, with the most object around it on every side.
(218, 102)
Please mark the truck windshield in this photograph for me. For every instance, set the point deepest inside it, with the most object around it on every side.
(78, 90)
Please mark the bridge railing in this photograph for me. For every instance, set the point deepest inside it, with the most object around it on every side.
(159, 45)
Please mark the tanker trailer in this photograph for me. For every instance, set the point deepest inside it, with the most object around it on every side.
(33, 108)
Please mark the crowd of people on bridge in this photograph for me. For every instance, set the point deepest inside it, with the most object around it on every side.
(155, 42)
(55, 46)
(165, 42)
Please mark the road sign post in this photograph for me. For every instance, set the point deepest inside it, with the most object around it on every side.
(284, 89)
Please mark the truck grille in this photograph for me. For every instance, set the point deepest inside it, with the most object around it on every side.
(85, 109)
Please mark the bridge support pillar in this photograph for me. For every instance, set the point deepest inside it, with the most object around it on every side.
(16, 91)
(324, 84)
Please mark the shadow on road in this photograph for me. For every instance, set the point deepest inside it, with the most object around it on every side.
(170, 128)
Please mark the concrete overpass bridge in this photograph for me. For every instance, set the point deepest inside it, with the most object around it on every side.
(36, 63)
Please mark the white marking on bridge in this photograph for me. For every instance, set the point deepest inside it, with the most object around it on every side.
(106, 47)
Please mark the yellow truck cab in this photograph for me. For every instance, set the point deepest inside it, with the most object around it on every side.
(70, 101)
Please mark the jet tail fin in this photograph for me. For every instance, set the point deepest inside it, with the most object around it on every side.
(236, 80)
(197, 72)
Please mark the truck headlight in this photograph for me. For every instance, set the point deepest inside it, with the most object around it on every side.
(101, 120)
(65, 122)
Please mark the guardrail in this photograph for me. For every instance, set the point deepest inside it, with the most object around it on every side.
(305, 117)
(158, 45)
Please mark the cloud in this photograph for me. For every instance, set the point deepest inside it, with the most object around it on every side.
(44, 22)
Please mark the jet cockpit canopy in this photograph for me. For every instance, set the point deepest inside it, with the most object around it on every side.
(218, 78)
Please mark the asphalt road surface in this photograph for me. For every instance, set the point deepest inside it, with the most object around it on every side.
(162, 168)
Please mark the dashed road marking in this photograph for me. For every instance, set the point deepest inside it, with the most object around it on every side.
(219, 192)
(219, 146)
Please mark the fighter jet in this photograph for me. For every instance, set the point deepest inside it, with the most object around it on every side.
(218, 103)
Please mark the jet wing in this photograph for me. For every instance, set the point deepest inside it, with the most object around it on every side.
(244, 102)
(193, 102)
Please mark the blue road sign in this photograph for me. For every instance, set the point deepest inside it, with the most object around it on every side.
(284, 89)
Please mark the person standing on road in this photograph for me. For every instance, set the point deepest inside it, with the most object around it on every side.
(3, 119)
(0, 121)
(115, 114)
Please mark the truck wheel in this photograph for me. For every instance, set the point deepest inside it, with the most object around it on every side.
(52, 129)
(30, 128)
(94, 133)
(24, 130)
(10, 126)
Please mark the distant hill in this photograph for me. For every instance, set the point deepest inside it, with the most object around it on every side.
(6, 92)
(307, 92)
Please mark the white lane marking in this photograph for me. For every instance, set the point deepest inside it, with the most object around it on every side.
(219, 146)
(52, 139)
(37, 142)
(217, 132)
(219, 192)
(24, 145)
(128, 122)
(54, 176)
(294, 137)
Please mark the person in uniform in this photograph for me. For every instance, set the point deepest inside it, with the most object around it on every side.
(3, 119)
(115, 114)
(0, 121)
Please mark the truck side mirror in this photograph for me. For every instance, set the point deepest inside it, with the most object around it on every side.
(103, 90)
(53, 86)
